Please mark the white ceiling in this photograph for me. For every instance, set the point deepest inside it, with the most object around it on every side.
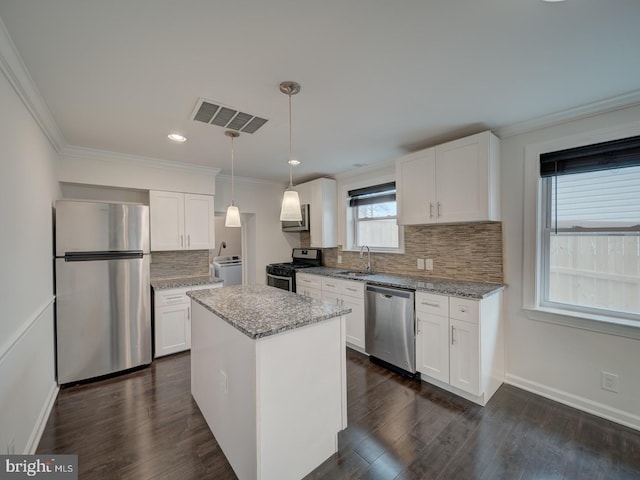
(379, 78)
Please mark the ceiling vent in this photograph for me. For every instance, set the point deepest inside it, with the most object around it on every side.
(215, 113)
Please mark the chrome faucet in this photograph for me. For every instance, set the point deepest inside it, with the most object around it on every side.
(367, 265)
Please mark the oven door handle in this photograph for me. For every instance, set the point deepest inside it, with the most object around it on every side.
(278, 277)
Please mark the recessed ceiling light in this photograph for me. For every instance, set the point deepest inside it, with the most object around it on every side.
(176, 137)
(294, 162)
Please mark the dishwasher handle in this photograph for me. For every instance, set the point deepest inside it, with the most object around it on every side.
(390, 292)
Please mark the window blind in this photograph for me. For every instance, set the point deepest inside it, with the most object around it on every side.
(592, 158)
(385, 192)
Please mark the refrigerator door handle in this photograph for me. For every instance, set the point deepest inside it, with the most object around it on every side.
(93, 256)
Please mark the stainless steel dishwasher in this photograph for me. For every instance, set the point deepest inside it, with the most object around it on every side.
(389, 329)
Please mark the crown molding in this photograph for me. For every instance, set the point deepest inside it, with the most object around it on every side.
(138, 160)
(16, 72)
(571, 114)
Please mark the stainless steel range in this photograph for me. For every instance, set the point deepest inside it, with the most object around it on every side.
(283, 275)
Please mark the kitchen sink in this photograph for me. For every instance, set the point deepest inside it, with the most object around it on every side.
(355, 273)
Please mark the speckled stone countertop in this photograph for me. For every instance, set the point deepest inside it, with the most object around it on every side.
(177, 282)
(442, 286)
(259, 310)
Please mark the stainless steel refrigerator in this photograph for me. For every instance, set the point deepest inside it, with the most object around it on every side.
(103, 307)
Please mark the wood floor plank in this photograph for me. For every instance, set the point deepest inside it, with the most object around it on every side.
(145, 425)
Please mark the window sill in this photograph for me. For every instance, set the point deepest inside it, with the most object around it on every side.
(596, 323)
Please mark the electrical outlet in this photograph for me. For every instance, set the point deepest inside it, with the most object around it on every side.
(420, 264)
(610, 382)
(339, 258)
(11, 447)
(428, 263)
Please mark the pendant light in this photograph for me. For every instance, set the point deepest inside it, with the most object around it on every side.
(233, 214)
(290, 201)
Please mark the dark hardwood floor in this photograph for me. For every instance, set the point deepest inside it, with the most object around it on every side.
(144, 425)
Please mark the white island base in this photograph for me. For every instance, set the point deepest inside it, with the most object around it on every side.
(274, 404)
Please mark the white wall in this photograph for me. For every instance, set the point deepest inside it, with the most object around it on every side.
(92, 167)
(269, 244)
(28, 190)
(557, 361)
(231, 236)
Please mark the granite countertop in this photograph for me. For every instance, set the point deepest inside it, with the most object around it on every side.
(259, 310)
(177, 282)
(442, 286)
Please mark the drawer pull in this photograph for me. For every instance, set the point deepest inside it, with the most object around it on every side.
(462, 309)
(175, 297)
(429, 304)
(330, 285)
(351, 289)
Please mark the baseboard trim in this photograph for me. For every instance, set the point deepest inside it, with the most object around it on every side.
(36, 434)
(589, 406)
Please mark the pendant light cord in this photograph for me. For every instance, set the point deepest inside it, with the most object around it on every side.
(232, 182)
(290, 146)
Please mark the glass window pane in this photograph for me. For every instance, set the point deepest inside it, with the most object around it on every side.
(594, 269)
(378, 233)
(385, 209)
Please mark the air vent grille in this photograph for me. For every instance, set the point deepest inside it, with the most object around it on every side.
(214, 113)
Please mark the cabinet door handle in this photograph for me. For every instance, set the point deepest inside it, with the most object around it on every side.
(453, 335)
(430, 209)
(351, 289)
(189, 240)
(182, 240)
(330, 285)
(439, 209)
(462, 309)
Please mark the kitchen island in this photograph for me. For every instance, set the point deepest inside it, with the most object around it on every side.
(268, 372)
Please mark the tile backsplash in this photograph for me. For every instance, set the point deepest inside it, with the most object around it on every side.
(468, 251)
(179, 263)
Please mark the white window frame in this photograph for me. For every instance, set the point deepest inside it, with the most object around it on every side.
(348, 223)
(533, 269)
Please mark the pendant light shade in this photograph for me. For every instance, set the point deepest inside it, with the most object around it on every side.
(233, 214)
(233, 217)
(290, 211)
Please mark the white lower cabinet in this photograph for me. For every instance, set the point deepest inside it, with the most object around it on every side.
(460, 344)
(348, 293)
(172, 319)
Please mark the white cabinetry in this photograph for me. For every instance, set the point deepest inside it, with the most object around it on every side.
(172, 319)
(309, 285)
(181, 221)
(321, 196)
(457, 181)
(432, 338)
(349, 293)
(460, 344)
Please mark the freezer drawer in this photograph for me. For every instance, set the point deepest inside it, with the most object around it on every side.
(103, 320)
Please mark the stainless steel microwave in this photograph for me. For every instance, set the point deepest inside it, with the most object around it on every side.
(302, 225)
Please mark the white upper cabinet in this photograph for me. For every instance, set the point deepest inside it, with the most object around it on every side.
(199, 221)
(454, 182)
(321, 195)
(181, 221)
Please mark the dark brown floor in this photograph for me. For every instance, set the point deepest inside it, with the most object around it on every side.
(144, 425)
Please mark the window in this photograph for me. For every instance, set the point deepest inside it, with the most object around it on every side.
(590, 235)
(373, 217)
